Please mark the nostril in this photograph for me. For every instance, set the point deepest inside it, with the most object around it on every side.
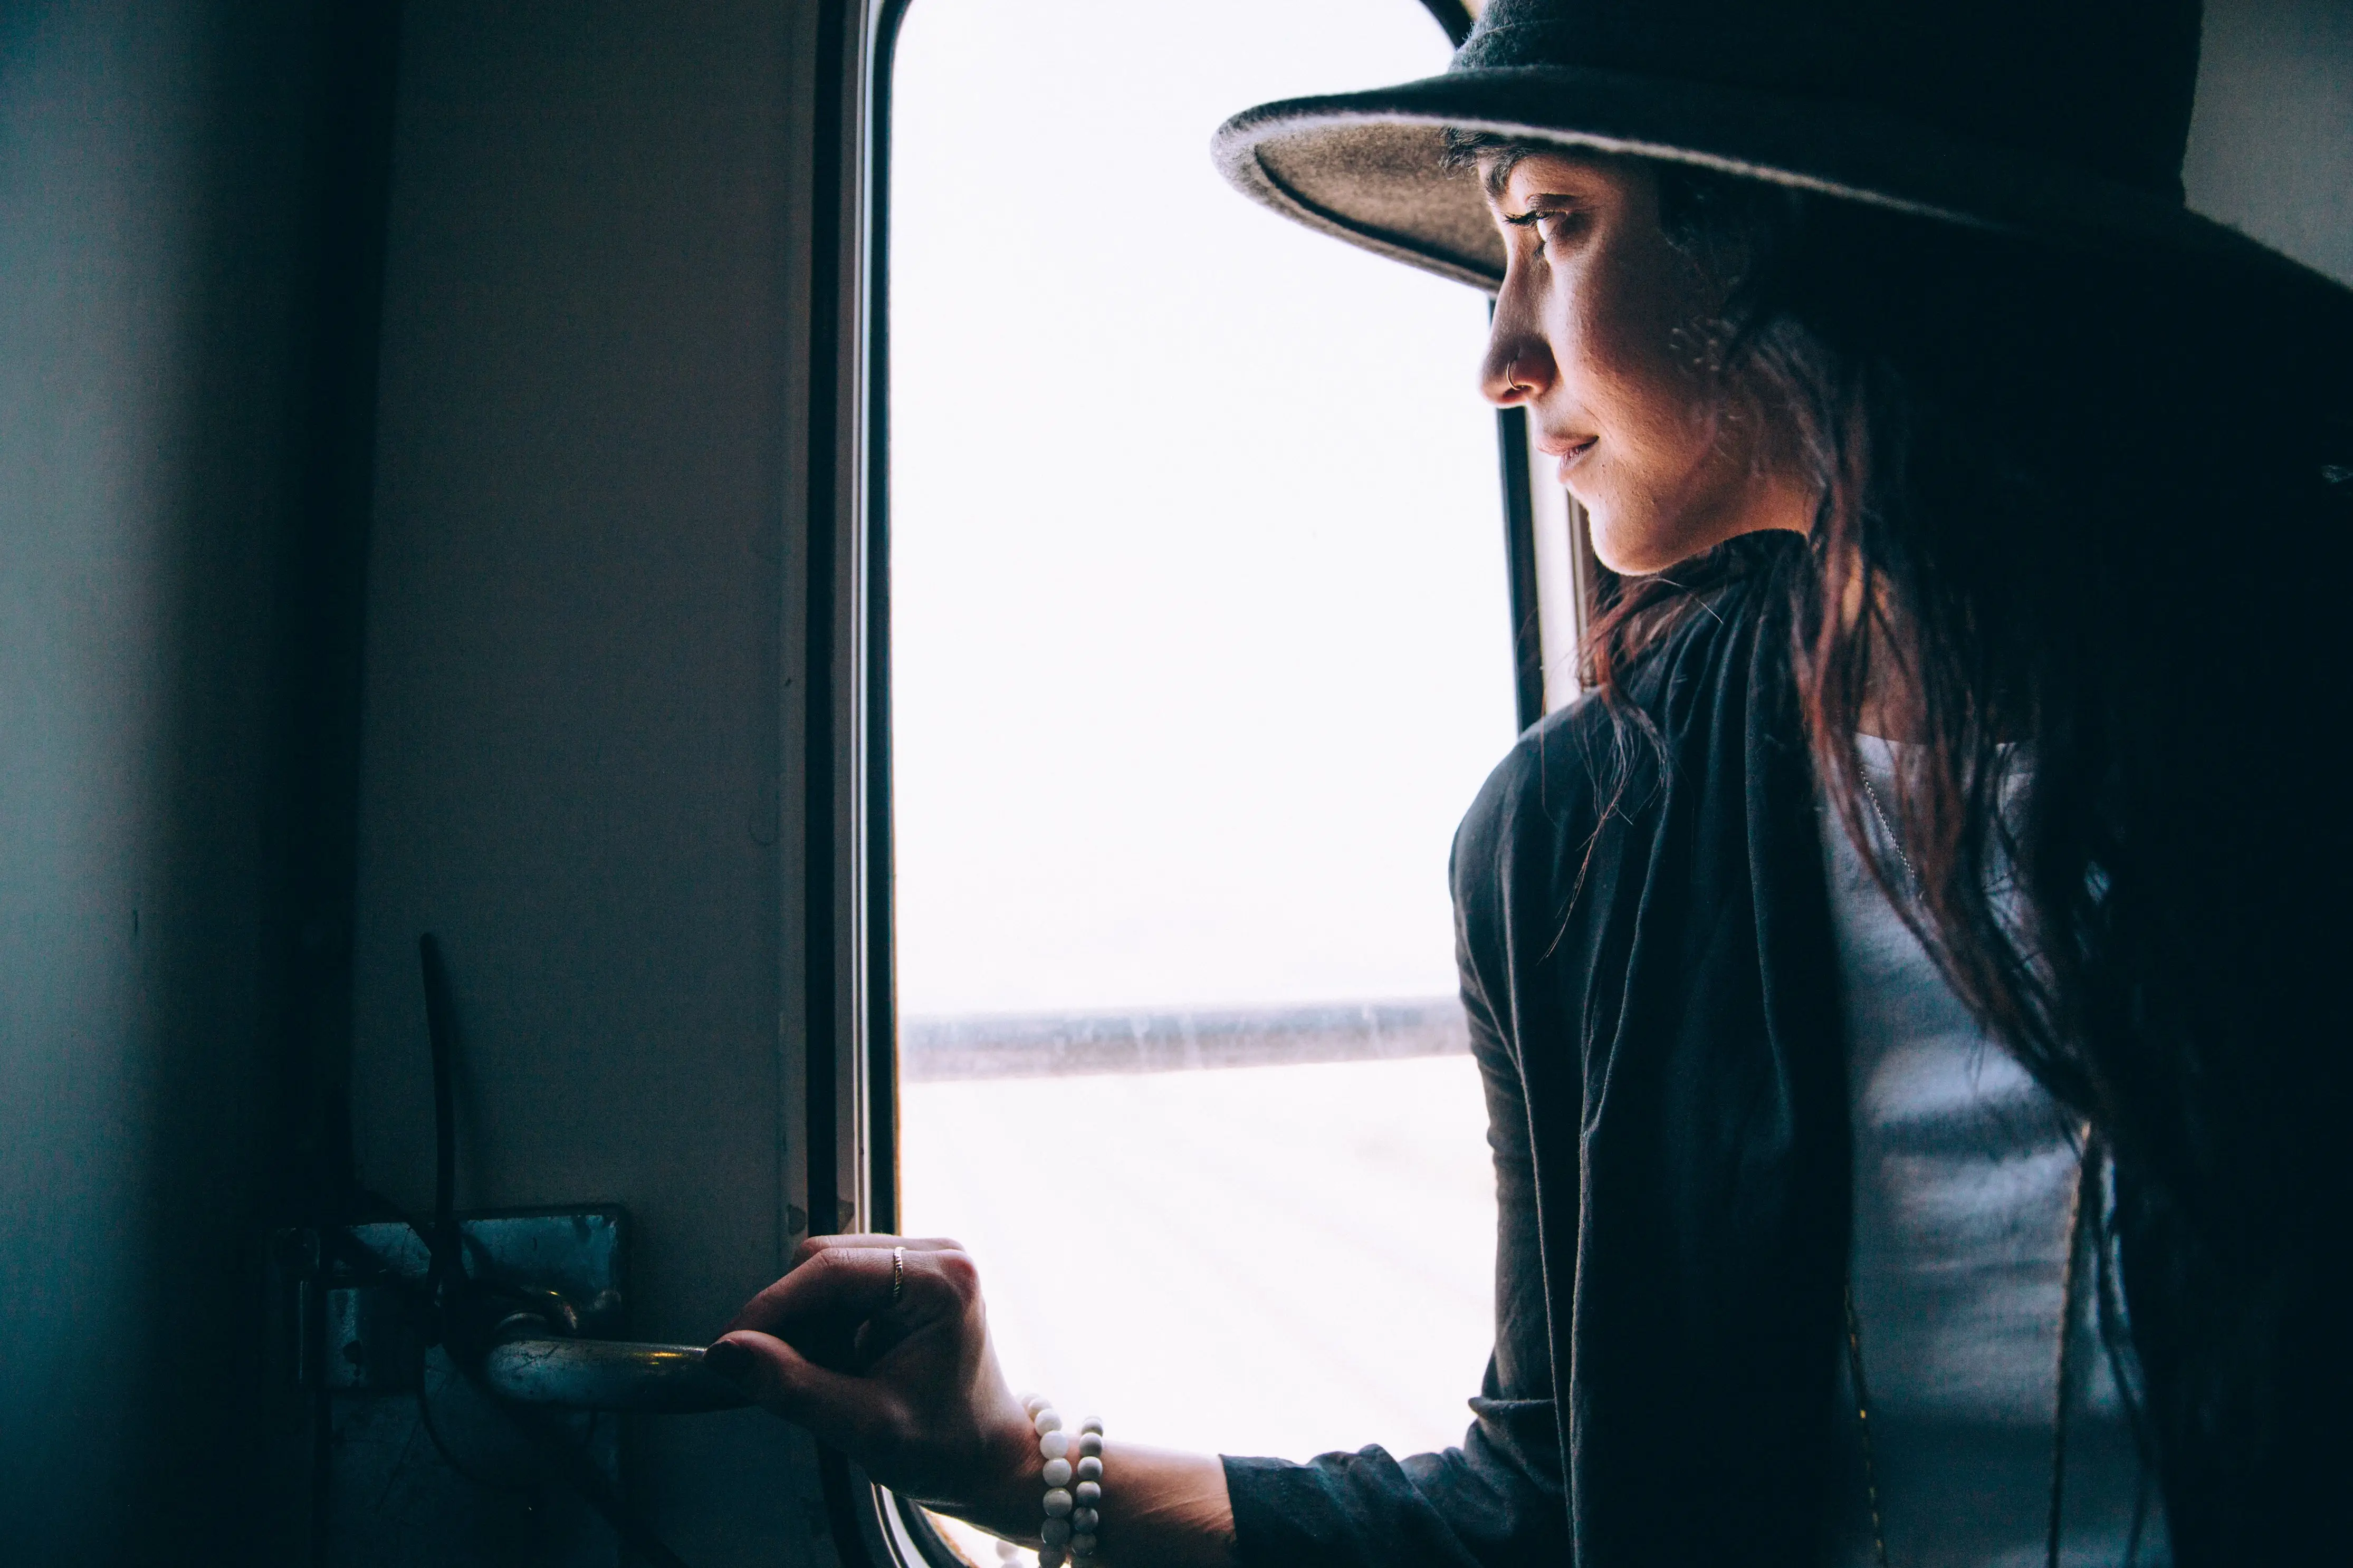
(1517, 371)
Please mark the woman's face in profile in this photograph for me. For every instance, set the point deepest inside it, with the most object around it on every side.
(1599, 331)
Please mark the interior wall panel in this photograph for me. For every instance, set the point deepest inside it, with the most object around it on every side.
(150, 237)
(577, 639)
(2271, 147)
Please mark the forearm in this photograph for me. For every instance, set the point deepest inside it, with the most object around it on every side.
(1160, 1509)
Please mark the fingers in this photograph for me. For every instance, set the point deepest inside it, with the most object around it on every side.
(848, 1281)
(835, 1407)
(817, 1244)
(832, 1281)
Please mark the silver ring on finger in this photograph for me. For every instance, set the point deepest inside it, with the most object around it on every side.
(897, 1275)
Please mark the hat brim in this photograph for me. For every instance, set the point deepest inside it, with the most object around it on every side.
(1368, 168)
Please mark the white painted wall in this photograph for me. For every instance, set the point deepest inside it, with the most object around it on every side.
(2271, 147)
(149, 229)
(577, 632)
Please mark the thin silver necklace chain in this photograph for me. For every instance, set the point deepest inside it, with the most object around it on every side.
(2067, 1290)
(1888, 827)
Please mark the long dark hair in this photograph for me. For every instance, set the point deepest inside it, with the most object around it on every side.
(2098, 504)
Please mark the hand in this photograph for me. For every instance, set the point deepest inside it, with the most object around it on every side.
(910, 1390)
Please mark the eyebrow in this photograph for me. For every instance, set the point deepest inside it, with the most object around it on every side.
(1496, 173)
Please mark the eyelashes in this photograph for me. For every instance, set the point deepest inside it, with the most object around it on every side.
(1536, 219)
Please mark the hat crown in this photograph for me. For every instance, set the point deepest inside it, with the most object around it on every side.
(2105, 85)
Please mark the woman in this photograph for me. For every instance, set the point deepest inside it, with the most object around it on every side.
(1904, 987)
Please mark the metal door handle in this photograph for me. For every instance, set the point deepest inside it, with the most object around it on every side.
(609, 1374)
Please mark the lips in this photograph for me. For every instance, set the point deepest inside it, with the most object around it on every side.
(1570, 450)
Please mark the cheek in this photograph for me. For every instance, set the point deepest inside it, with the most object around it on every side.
(1649, 485)
(1640, 395)
(1653, 442)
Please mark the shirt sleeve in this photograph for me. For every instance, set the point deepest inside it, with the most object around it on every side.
(1496, 1500)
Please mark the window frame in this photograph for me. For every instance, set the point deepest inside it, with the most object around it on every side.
(847, 1105)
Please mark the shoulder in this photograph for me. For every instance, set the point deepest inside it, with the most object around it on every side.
(1598, 769)
(1553, 780)
(1573, 798)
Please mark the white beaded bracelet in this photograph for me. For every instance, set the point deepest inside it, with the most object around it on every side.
(1073, 1486)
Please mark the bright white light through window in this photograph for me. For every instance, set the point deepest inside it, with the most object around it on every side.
(1200, 647)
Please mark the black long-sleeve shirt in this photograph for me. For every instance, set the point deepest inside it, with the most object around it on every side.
(1648, 974)
(1650, 977)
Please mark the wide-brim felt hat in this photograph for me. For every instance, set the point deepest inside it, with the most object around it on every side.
(2066, 119)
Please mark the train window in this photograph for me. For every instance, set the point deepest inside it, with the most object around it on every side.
(1200, 643)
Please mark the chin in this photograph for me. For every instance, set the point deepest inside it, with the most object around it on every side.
(1633, 552)
(1644, 548)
